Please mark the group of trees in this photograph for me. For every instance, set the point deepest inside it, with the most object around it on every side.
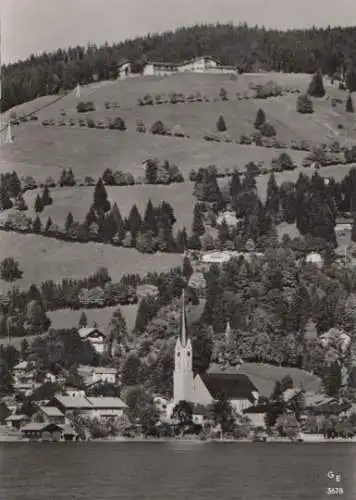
(162, 173)
(331, 49)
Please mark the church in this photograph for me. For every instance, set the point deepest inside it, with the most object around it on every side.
(206, 388)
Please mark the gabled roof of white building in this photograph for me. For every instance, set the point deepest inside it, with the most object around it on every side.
(107, 403)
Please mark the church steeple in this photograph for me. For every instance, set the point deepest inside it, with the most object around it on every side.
(183, 334)
(183, 376)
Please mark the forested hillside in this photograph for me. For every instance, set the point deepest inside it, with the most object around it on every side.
(333, 50)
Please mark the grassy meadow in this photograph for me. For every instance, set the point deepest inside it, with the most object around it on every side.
(43, 258)
(44, 151)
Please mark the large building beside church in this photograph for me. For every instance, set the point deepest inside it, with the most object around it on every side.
(204, 389)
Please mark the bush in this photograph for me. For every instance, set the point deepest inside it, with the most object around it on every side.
(84, 107)
(221, 125)
(158, 128)
(177, 131)
(223, 94)
(304, 104)
(140, 127)
(90, 123)
(117, 124)
(267, 130)
(269, 89)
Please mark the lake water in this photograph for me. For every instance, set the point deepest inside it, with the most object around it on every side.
(174, 471)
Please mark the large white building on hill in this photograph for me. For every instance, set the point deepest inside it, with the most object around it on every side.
(204, 64)
(204, 389)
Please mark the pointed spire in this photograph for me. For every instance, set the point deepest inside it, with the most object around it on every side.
(228, 331)
(9, 135)
(183, 324)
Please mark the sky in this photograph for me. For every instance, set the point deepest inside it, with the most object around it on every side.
(31, 26)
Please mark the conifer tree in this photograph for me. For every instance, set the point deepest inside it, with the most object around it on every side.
(194, 242)
(316, 87)
(46, 197)
(134, 221)
(101, 201)
(353, 230)
(349, 104)
(38, 204)
(235, 185)
(221, 125)
(20, 203)
(149, 220)
(37, 226)
(5, 201)
(187, 268)
(14, 185)
(69, 222)
(182, 240)
(272, 203)
(48, 225)
(198, 228)
(260, 118)
(83, 320)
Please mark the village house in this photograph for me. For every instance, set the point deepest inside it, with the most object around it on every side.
(94, 336)
(203, 64)
(97, 374)
(48, 414)
(124, 69)
(106, 408)
(48, 431)
(16, 421)
(103, 408)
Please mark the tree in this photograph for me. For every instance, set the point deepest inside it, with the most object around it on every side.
(38, 204)
(183, 411)
(83, 320)
(187, 268)
(349, 104)
(351, 79)
(158, 128)
(141, 408)
(20, 203)
(69, 222)
(304, 104)
(37, 226)
(147, 309)
(316, 86)
(332, 379)
(117, 333)
(267, 130)
(221, 125)
(36, 320)
(198, 228)
(46, 197)
(131, 370)
(100, 201)
(260, 118)
(5, 201)
(134, 222)
(272, 203)
(14, 185)
(223, 413)
(10, 270)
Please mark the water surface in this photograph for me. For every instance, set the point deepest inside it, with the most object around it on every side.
(174, 471)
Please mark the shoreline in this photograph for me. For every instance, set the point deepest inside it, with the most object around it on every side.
(307, 439)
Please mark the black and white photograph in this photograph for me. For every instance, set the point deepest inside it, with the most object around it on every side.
(177, 249)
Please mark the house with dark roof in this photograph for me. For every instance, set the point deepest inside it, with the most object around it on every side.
(103, 408)
(94, 336)
(48, 414)
(45, 431)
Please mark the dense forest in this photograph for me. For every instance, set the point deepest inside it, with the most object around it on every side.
(332, 50)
